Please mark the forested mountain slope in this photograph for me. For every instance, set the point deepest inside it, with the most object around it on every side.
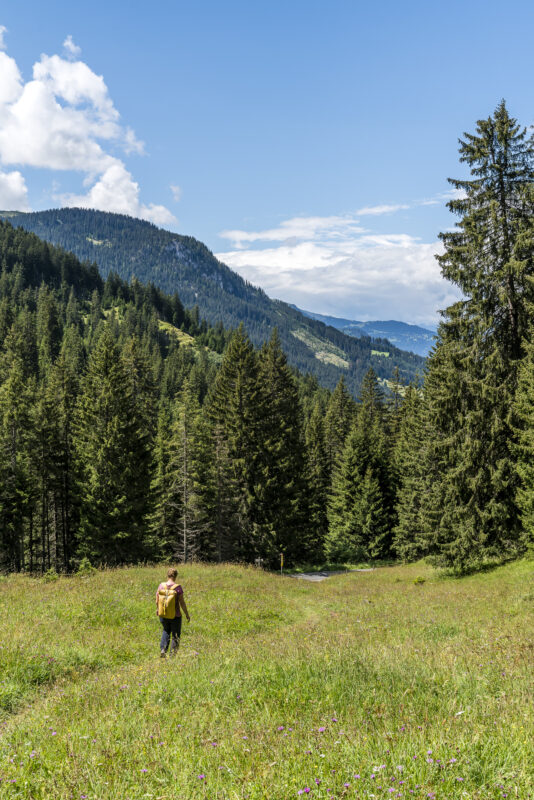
(132, 247)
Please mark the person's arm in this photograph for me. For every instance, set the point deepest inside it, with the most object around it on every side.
(183, 606)
(157, 595)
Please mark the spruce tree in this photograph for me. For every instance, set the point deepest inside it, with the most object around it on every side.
(470, 388)
(16, 399)
(361, 508)
(339, 416)
(235, 411)
(113, 451)
(183, 464)
(410, 459)
(318, 483)
(164, 521)
(61, 395)
(280, 489)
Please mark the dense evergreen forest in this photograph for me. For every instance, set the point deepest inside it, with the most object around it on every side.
(132, 430)
(135, 248)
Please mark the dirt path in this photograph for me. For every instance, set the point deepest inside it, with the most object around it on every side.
(315, 577)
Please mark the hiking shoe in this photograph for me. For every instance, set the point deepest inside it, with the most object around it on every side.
(162, 654)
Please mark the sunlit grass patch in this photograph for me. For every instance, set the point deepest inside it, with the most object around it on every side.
(365, 685)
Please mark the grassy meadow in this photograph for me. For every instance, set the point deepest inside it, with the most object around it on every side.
(394, 683)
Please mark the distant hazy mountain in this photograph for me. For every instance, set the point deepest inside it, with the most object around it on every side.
(407, 337)
(135, 248)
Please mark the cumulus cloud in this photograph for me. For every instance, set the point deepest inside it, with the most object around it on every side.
(13, 192)
(64, 119)
(117, 191)
(332, 266)
(10, 81)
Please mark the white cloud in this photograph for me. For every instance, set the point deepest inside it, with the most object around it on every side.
(3, 30)
(297, 228)
(334, 267)
(385, 209)
(64, 119)
(13, 192)
(71, 48)
(10, 81)
(117, 191)
(176, 192)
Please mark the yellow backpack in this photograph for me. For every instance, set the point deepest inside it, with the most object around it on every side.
(167, 601)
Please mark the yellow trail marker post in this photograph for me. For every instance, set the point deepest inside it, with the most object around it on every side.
(281, 563)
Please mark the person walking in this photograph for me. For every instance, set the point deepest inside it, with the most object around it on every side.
(170, 603)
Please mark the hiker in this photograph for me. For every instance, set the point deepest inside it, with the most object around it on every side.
(169, 601)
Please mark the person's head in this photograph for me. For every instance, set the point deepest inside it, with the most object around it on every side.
(172, 573)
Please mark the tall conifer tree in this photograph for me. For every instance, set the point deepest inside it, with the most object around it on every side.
(410, 460)
(235, 410)
(472, 380)
(112, 445)
(339, 417)
(318, 483)
(361, 503)
(281, 479)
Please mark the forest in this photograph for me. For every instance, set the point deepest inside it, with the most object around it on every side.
(131, 430)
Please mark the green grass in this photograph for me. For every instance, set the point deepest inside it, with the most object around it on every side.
(171, 330)
(322, 349)
(279, 683)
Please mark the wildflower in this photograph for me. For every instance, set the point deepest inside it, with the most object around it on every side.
(201, 777)
(144, 770)
(321, 729)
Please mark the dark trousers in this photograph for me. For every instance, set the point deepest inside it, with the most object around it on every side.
(171, 627)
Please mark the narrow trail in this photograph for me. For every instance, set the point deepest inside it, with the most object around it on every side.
(316, 577)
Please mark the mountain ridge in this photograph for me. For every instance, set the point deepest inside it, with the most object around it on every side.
(405, 336)
(175, 263)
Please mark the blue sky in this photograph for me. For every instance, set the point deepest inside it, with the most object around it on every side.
(306, 143)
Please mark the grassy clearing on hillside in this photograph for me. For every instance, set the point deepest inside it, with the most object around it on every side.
(393, 683)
